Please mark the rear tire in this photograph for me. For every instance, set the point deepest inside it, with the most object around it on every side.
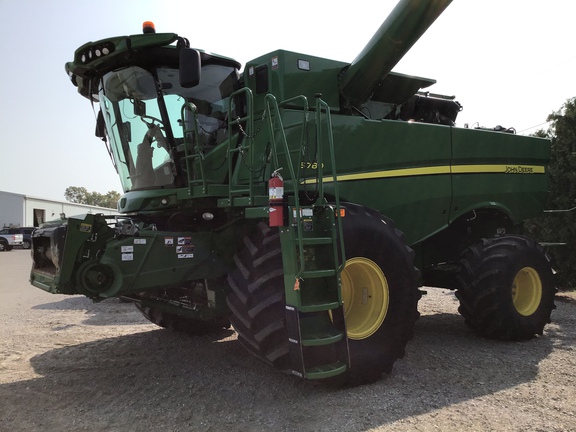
(378, 263)
(506, 288)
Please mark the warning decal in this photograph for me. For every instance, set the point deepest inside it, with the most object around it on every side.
(185, 251)
(127, 257)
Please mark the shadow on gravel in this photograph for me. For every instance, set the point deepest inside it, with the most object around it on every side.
(110, 311)
(69, 303)
(159, 380)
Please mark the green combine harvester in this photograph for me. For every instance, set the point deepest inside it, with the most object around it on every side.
(303, 201)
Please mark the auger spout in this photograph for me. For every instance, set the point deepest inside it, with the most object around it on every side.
(398, 33)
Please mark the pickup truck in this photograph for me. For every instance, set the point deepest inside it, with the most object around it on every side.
(8, 240)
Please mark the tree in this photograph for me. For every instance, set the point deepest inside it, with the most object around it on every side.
(110, 199)
(76, 194)
(560, 226)
(80, 195)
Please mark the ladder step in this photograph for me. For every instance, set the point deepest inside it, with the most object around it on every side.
(321, 336)
(318, 307)
(317, 240)
(326, 371)
(318, 273)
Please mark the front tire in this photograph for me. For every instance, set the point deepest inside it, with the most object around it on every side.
(506, 288)
(257, 300)
(379, 288)
(380, 293)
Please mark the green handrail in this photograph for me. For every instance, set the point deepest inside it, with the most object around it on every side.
(248, 133)
(278, 142)
(198, 153)
(319, 105)
(273, 108)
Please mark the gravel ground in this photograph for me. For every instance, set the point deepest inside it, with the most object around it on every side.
(69, 364)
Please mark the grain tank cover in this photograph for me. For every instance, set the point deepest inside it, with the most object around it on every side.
(399, 32)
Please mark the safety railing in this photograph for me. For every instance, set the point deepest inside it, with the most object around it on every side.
(192, 150)
(244, 144)
(276, 128)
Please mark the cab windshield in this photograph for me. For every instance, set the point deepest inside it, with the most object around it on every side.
(142, 111)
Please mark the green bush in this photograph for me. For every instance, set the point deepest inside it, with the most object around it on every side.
(560, 226)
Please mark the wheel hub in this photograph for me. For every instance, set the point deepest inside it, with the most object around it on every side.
(365, 295)
(527, 291)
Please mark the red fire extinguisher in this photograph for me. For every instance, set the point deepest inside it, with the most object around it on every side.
(276, 199)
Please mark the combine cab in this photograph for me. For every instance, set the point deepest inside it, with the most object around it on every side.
(302, 201)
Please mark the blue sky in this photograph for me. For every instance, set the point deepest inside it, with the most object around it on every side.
(509, 63)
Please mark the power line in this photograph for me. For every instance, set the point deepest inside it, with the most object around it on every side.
(533, 127)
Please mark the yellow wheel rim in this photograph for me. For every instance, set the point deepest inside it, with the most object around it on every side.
(365, 295)
(527, 291)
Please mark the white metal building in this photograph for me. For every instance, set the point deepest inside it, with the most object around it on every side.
(18, 210)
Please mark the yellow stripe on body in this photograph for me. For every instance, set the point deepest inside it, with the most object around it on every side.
(435, 170)
(503, 169)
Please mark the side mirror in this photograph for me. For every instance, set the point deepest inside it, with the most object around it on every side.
(100, 131)
(190, 65)
(139, 108)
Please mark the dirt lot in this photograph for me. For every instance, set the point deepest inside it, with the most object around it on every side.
(69, 364)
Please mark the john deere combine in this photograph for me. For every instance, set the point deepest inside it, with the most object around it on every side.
(265, 199)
